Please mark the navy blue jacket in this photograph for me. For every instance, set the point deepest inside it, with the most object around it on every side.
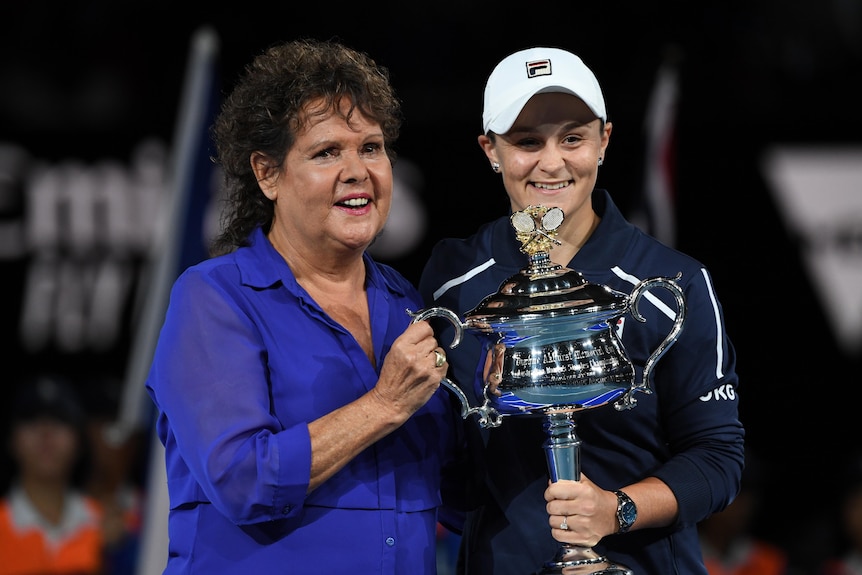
(687, 433)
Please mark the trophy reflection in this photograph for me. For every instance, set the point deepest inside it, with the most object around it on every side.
(552, 339)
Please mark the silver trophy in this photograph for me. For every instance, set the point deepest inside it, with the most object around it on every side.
(553, 340)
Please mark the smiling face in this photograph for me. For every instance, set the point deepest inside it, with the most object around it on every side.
(333, 192)
(550, 157)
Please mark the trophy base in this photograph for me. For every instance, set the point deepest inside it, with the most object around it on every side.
(571, 560)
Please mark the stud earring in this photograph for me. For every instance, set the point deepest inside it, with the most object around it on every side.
(601, 160)
(496, 167)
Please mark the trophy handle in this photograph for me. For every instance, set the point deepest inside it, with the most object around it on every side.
(628, 401)
(487, 414)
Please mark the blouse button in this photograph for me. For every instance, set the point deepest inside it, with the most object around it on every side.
(390, 541)
(286, 509)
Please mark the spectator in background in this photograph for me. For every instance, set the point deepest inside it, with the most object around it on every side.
(847, 557)
(114, 475)
(730, 547)
(47, 525)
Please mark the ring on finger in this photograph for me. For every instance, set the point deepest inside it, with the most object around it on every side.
(564, 525)
(441, 358)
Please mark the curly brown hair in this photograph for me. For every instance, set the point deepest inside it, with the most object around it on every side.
(265, 111)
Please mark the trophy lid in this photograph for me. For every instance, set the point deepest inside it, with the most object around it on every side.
(544, 290)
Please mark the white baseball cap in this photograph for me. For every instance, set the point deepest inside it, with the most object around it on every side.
(522, 75)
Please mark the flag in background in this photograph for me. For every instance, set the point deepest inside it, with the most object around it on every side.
(180, 241)
(656, 213)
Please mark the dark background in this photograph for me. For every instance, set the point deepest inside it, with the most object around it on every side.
(89, 80)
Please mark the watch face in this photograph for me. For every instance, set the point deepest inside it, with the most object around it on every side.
(628, 513)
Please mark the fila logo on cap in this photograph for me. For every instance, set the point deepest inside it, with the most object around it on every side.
(538, 68)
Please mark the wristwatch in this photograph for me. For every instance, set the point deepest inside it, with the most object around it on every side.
(627, 512)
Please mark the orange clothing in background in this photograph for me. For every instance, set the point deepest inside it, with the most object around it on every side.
(749, 558)
(29, 546)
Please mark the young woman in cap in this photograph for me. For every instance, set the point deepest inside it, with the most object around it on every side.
(48, 524)
(648, 474)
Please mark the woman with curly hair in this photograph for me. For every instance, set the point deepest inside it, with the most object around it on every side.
(300, 408)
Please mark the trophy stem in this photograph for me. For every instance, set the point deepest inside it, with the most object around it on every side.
(562, 449)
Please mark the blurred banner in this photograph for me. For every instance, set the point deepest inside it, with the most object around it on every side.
(818, 191)
(655, 210)
(183, 241)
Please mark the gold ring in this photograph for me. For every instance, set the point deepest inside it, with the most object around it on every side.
(564, 525)
(441, 358)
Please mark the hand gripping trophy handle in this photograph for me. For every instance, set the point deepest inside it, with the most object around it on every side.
(487, 415)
